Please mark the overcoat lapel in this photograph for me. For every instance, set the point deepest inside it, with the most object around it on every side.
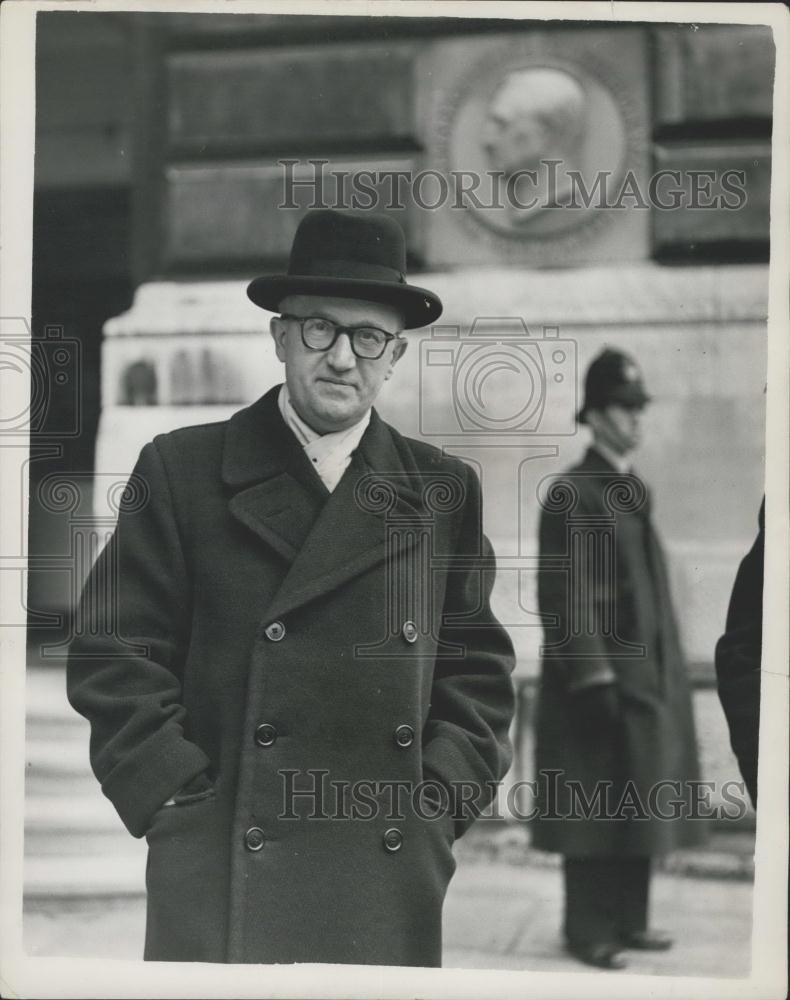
(349, 535)
(282, 494)
(279, 510)
(327, 538)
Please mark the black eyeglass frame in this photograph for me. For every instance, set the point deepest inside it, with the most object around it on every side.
(349, 332)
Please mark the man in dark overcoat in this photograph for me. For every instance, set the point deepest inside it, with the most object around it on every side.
(615, 746)
(299, 681)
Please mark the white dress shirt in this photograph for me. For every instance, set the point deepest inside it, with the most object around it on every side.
(330, 454)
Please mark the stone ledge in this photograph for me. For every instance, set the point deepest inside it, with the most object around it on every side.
(640, 294)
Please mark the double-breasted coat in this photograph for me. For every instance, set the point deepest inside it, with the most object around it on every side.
(308, 651)
(626, 788)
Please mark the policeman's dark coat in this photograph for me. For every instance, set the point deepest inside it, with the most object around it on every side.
(234, 532)
(615, 627)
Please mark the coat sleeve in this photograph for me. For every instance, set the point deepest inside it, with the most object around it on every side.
(579, 655)
(466, 745)
(124, 671)
(738, 660)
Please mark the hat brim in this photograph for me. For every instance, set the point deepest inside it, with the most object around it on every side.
(418, 306)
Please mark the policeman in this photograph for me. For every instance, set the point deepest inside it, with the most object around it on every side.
(614, 711)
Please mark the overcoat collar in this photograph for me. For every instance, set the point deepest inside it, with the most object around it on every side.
(595, 461)
(259, 444)
(597, 465)
(326, 538)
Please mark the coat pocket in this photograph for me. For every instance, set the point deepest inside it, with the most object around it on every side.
(186, 882)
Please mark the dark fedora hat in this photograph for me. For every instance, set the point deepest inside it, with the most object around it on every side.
(352, 255)
(613, 377)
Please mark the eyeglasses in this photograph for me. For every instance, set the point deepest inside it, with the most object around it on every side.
(319, 334)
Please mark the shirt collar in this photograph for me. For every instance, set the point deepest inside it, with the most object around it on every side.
(330, 454)
(303, 432)
(619, 462)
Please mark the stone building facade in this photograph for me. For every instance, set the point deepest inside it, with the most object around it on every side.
(167, 144)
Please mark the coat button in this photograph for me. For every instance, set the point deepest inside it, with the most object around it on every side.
(254, 839)
(275, 631)
(404, 736)
(265, 735)
(393, 840)
(409, 631)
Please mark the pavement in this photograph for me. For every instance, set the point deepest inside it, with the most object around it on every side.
(496, 917)
(498, 914)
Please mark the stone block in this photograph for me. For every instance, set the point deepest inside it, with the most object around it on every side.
(731, 184)
(190, 370)
(622, 297)
(238, 213)
(274, 98)
(708, 72)
(83, 102)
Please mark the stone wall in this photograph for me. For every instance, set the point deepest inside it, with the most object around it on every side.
(225, 105)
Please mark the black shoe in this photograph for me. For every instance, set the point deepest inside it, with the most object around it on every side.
(602, 955)
(646, 940)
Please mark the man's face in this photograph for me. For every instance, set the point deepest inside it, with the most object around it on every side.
(536, 114)
(331, 390)
(513, 142)
(617, 427)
